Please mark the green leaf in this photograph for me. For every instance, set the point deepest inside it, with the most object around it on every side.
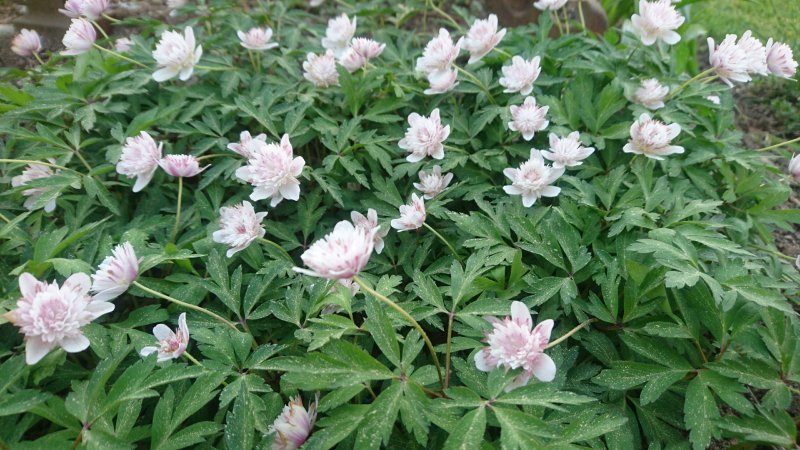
(380, 328)
(520, 430)
(775, 428)
(239, 422)
(468, 433)
(21, 401)
(700, 414)
(379, 421)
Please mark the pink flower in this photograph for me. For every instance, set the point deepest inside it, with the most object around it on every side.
(439, 54)
(442, 82)
(341, 254)
(184, 166)
(520, 75)
(338, 34)
(370, 224)
(321, 69)
(257, 39)
(273, 171)
(424, 137)
(239, 226)
(35, 172)
(567, 151)
(176, 55)
(51, 317)
(352, 60)
(171, 344)
(72, 9)
(294, 425)
(116, 273)
(528, 118)
(533, 179)
(794, 166)
(79, 38)
(367, 48)
(651, 94)
(482, 37)
(657, 19)
(140, 157)
(551, 5)
(248, 145)
(123, 45)
(93, 9)
(651, 138)
(514, 344)
(780, 59)
(412, 216)
(755, 52)
(26, 43)
(433, 183)
(730, 62)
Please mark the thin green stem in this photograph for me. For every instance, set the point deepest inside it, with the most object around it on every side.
(213, 155)
(503, 52)
(764, 149)
(584, 324)
(4, 218)
(580, 13)
(38, 58)
(444, 14)
(278, 246)
(448, 349)
(83, 160)
(410, 319)
(123, 57)
(193, 359)
(41, 163)
(178, 210)
(558, 22)
(218, 69)
(100, 29)
(476, 82)
(441, 238)
(774, 253)
(185, 305)
(111, 19)
(566, 19)
(688, 82)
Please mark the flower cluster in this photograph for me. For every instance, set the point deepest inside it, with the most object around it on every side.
(737, 59)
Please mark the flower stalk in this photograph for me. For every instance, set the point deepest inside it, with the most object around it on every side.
(277, 246)
(123, 57)
(178, 210)
(185, 305)
(563, 338)
(699, 76)
(445, 241)
(771, 147)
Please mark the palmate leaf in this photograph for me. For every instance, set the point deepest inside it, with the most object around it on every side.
(701, 414)
(468, 433)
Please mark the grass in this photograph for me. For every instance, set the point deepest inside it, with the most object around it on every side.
(767, 18)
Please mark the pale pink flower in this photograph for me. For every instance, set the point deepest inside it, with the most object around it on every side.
(93, 9)
(116, 273)
(433, 183)
(248, 145)
(239, 226)
(368, 48)
(315, 3)
(441, 82)
(176, 55)
(482, 37)
(338, 34)
(515, 344)
(756, 53)
(713, 99)
(794, 166)
(424, 137)
(257, 39)
(412, 216)
(184, 166)
(352, 60)
(520, 75)
(657, 19)
(273, 170)
(652, 138)
(139, 159)
(171, 344)
(72, 8)
(26, 43)
(175, 4)
(730, 62)
(370, 223)
(567, 151)
(533, 179)
(79, 38)
(35, 172)
(321, 69)
(51, 317)
(780, 59)
(651, 94)
(439, 55)
(123, 45)
(343, 253)
(551, 5)
(528, 118)
(294, 425)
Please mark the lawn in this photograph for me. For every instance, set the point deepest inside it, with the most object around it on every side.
(765, 17)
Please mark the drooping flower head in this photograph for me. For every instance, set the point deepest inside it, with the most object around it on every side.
(35, 172)
(533, 179)
(294, 425)
(273, 170)
(730, 62)
(239, 226)
(441, 82)
(794, 166)
(257, 39)
(176, 55)
(93, 9)
(439, 54)
(657, 19)
(482, 37)
(550, 5)
(651, 94)
(72, 8)
(338, 34)
(528, 118)
(185, 166)
(51, 317)
(424, 137)
(513, 343)
(26, 43)
(652, 138)
(370, 223)
(116, 273)
(171, 344)
(321, 69)
(341, 254)
(79, 38)
(139, 159)
(755, 52)
(248, 145)
(780, 59)
(412, 216)
(123, 45)
(567, 151)
(520, 75)
(433, 183)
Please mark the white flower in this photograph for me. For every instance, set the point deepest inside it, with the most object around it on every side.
(370, 223)
(528, 118)
(368, 48)
(412, 216)
(756, 53)
(651, 138)
(433, 183)
(35, 172)
(441, 82)
(651, 94)
(533, 179)
(482, 37)
(713, 99)
(72, 8)
(248, 145)
(239, 226)
(79, 38)
(26, 43)
(341, 254)
(780, 59)
(171, 344)
(93, 9)
(139, 159)
(352, 60)
(123, 45)
(520, 75)
(794, 166)
(439, 55)
(273, 172)
(338, 34)
(730, 62)
(321, 69)
(424, 137)
(257, 39)
(657, 19)
(294, 425)
(116, 273)
(176, 55)
(551, 5)
(184, 166)
(567, 151)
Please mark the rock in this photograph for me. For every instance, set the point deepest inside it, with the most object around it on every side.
(520, 12)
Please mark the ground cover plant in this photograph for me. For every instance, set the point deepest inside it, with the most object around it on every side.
(371, 224)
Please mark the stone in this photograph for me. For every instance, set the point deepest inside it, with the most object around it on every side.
(521, 12)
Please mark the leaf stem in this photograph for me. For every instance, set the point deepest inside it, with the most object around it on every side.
(563, 338)
(452, 250)
(279, 247)
(123, 57)
(83, 160)
(774, 253)
(185, 305)
(451, 314)
(792, 141)
(178, 210)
